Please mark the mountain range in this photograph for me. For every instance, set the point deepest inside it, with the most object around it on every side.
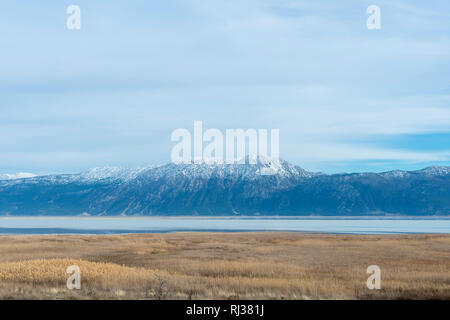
(266, 188)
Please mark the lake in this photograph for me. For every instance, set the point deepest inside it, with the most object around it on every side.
(121, 225)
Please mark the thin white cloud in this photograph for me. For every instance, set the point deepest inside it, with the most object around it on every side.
(325, 151)
(20, 175)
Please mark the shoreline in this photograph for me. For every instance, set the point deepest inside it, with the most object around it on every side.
(243, 217)
(224, 232)
(132, 225)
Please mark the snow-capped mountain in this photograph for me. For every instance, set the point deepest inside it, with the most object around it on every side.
(436, 171)
(267, 187)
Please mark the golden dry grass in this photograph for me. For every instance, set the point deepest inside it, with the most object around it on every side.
(224, 266)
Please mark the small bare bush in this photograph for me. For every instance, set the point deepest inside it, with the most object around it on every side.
(159, 287)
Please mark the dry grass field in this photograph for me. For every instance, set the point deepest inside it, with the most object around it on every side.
(225, 266)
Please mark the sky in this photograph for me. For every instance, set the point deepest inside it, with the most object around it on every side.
(345, 98)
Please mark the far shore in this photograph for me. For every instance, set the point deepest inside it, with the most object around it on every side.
(288, 217)
(65, 225)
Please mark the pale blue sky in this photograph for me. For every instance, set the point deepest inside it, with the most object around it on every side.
(345, 98)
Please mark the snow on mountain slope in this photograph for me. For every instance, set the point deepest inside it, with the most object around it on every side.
(110, 173)
(247, 171)
(262, 171)
(428, 171)
(435, 171)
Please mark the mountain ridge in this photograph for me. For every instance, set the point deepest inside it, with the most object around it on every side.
(269, 187)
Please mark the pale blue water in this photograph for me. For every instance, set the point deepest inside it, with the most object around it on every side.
(117, 225)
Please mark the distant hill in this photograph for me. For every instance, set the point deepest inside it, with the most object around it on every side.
(266, 188)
